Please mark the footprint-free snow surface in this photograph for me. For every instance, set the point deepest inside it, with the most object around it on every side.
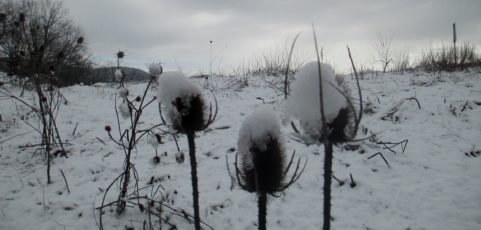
(430, 177)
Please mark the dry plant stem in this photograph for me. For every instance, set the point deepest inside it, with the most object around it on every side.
(262, 207)
(359, 91)
(132, 141)
(65, 179)
(45, 132)
(286, 80)
(195, 189)
(327, 148)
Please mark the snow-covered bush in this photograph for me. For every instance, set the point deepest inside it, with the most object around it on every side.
(186, 113)
(262, 166)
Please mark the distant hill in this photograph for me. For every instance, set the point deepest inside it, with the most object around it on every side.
(106, 74)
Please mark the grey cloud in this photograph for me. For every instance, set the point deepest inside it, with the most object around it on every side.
(182, 28)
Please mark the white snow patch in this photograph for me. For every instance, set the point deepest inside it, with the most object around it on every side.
(256, 130)
(304, 103)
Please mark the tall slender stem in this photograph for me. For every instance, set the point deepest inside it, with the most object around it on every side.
(327, 185)
(195, 189)
(262, 206)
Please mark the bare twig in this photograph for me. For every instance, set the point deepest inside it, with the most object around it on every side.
(65, 179)
(382, 156)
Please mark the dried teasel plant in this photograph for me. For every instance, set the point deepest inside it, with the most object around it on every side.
(324, 108)
(187, 113)
(263, 167)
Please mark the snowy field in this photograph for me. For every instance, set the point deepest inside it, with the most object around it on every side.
(435, 183)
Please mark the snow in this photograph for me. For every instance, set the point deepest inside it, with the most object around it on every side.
(256, 130)
(433, 184)
(304, 103)
(123, 93)
(155, 69)
(118, 74)
(124, 110)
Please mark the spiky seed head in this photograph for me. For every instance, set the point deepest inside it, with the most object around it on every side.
(80, 40)
(108, 128)
(340, 128)
(191, 114)
(159, 138)
(120, 54)
(266, 175)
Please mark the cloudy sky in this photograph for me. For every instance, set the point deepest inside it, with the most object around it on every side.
(178, 32)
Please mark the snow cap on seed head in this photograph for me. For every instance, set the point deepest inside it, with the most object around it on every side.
(155, 69)
(182, 101)
(118, 74)
(261, 151)
(304, 102)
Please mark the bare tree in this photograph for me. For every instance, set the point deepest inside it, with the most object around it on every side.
(383, 50)
(40, 36)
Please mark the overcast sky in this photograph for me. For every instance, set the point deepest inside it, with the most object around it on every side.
(177, 32)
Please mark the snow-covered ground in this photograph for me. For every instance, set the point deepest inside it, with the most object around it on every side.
(434, 184)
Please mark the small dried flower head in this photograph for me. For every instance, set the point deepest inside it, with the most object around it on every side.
(120, 54)
(80, 40)
(138, 99)
(44, 99)
(154, 140)
(179, 157)
(123, 93)
(155, 69)
(118, 75)
(108, 128)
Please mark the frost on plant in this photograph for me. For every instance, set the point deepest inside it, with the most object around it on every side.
(304, 103)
